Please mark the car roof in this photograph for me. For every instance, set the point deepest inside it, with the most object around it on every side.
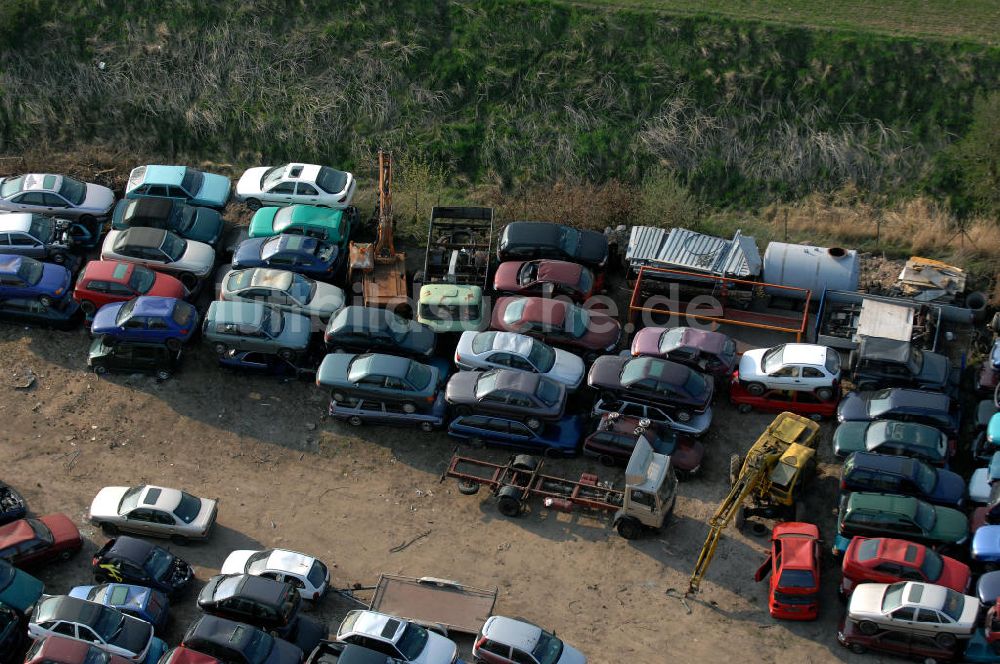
(913, 434)
(141, 237)
(244, 313)
(151, 305)
(36, 182)
(380, 364)
(290, 561)
(706, 340)
(512, 342)
(520, 381)
(269, 278)
(298, 243)
(131, 548)
(379, 625)
(543, 309)
(62, 649)
(10, 264)
(928, 595)
(308, 173)
(15, 533)
(355, 654)
(219, 630)
(261, 589)
(883, 463)
(157, 174)
(879, 348)
(665, 370)
(160, 497)
(118, 271)
(360, 317)
(65, 607)
(902, 397)
(897, 550)
(521, 635)
(17, 221)
(150, 207)
(805, 354)
(880, 502)
(533, 232)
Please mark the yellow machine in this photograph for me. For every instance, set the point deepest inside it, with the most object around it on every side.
(771, 476)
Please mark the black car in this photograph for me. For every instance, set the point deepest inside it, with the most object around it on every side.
(879, 362)
(131, 560)
(270, 605)
(154, 359)
(903, 405)
(335, 652)
(32, 312)
(239, 643)
(864, 471)
(12, 504)
(357, 329)
(526, 240)
(192, 223)
(14, 635)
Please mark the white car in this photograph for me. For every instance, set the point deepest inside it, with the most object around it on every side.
(153, 510)
(56, 195)
(291, 184)
(285, 290)
(396, 637)
(508, 641)
(161, 250)
(795, 367)
(510, 350)
(308, 575)
(105, 627)
(910, 606)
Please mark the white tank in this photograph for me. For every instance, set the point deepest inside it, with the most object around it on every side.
(815, 268)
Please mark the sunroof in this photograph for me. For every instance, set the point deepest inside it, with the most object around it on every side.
(151, 497)
(390, 629)
(118, 595)
(120, 271)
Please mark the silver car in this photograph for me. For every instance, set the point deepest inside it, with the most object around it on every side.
(286, 290)
(239, 326)
(161, 250)
(910, 606)
(58, 195)
(153, 510)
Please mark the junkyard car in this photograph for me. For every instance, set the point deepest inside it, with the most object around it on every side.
(558, 323)
(190, 261)
(64, 650)
(23, 278)
(615, 436)
(297, 253)
(524, 240)
(136, 601)
(360, 329)
(306, 574)
(131, 357)
(864, 471)
(376, 376)
(509, 350)
(13, 635)
(332, 226)
(130, 560)
(546, 278)
(109, 629)
(367, 411)
(239, 643)
(794, 569)
(911, 606)
(147, 319)
(59, 195)
(153, 510)
(696, 426)
(181, 182)
(711, 352)
(879, 363)
(251, 326)
(526, 396)
(887, 560)
(779, 401)
(33, 313)
(397, 638)
(285, 290)
(34, 541)
(877, 514)
(183, 655)
(36, 236)
(902, 405)
(191, 223)
(911, 439)
(805, 367)
(653, 381)
(12, 504)
(509, 641)
(18, 590)
(288, 184)
(105, 282)
(552, 439)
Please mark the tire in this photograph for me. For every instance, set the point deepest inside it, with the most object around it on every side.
(426, 427)
(254, 204)
(109, 529)
(745, 408)
(509, 506)
(162, 375)
(824, 393)
(534, 423)
(735, 466)
(409, 408)
(89, 308)
(65, 555)
(354, 420)
(339, 397)
(45, 301)
(858, 649)
(189, 280)
(173, 344)
(221, 349)
(524, 462)
(59, 258)
(946, 640)
(468, 487)
(868, 628)
(684, 416)
(629, 528)
(101, 370)
(286, 353)
(179, 540)
(741, 519)
(756, 389)
(606, 460)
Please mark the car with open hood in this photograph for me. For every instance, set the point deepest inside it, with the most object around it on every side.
(546, 278)
(615, 436)
(296, 183)
(653, 381)
(134, 561)
(193, 186)
(153, 510)
(162, 250)
(525, 240)
(60, 195)
(37, 236)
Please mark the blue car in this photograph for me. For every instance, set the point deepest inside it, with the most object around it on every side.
(181, 182)
(988, 441)
(23, 278)
(296, 253)
(137, 601)
(554, 439)
(147, 319)
(986, 547)
(18, 590)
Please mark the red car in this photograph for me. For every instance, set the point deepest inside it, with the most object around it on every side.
(910, 645)
(558, 323)
(32, 541)
(184, 655)
(794, 569)
(778, 401)
(615, 436)
(888, 560)
(545, 277)
(60, 650)
(104, 282)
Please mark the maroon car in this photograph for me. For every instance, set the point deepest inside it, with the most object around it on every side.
(711, 352)
(615, 437)
(652, 381)
(545, 277)
(558, 323)
(520, 394)
(33, 541)
(62, 650)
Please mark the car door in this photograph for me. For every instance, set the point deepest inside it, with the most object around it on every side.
(282, 193)
(904, 616)
(25, 245)
(788, 376)
(139, 520)
(306, 193)
(928, 620)
(163, 522)
(136, 328)
(31, 201)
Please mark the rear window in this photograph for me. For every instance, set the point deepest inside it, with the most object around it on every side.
(483, 342)
(317, 574)
(331, 180)
(797, 578)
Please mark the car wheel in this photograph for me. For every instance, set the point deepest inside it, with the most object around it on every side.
(100, 370)
(286, 354)
(355, 421)
(858, 649)
(189, 280)
(174, 344)
(745, 408)
(179, 540)
(409, 408)
(426, 427)
(868, 628)
(946, 640)
(468, 487)
(684, 416)
(221, 349)
(756, 389)
(553, 453)
(109, 341)
(339, 397)
(109, 529)
(65, 555)
(162, 375)
(89, 308)
(45, 301)
(629, 528)
(253, 204)
(534, 423)
(59, 258)
(824, 393)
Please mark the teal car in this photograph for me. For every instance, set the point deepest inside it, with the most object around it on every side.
(410, 385)
(191, 223)
(18, 590)
(333, 226)
(886, 515)
(181, 182)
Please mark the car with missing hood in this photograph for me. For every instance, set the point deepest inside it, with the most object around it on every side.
(109, 629)
(382, 377)
(33, 541)
(333, 226)
(508, 641)
(358, 329)
(285, 290)
(523, 395)
(239, 643)
(525, 240)
(134, 561)
(37, 236)
(158, 249)
(911, 606)
(901, 405)
(23, 278)
(888, 560)
(308, 575)
(710, 352)
(558, 323)
(184, 183)
(251, 326)
(803, 367)
(153, 510)
(297, 253)
(288, 184)
(200, 224)
(518, 352)
(12, 504)
(397, 638)
(106, 282)
(653, 381)
(64, 650)
(879, 363)
(615, 436)
(61, 195)
(546, 278)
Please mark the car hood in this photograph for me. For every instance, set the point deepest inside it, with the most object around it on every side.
(750, 363)
(63, 529)
(206, 227)
(853, 408)
(954, 575)
(950, 526)
(135, 635)
(284, 652)
(167, 286)
(247, 254)
(55, 280)
(106, 317)
(571, 655)
(462, 387)
(979, 486)
(107, 500)
(688, 456)
(935, 371)
(506, 276)
(603, 332)
(647, 341)
(296, 332)
(236, 562)
(438, 649)
(22, 592)
(849, 437)
(593, 248)
(308, 633)
(332, 370)
(214, 189)
(198, 258)
(866, 600)
(606, 371)
(568, 369)
(98, 199)
(249, 182)
(950, 488)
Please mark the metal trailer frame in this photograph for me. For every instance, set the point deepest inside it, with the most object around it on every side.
(722, 288)
(447, 220)
(831, 299)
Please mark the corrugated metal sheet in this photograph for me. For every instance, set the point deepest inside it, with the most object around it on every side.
(683, 249)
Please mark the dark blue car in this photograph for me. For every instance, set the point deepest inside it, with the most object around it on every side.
(903, 405)
(882, 473)
(296, 253)
(23, 278)
(137, 601)
(13, 634)
(554, 439)
(147, 319)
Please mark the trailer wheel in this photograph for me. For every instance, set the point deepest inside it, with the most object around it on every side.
(735, 465)
(629, 528)
(468, 487)
(524, 462)
(745, 408)
(509, 501)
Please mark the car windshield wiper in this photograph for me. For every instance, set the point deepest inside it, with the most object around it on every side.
(118, 629)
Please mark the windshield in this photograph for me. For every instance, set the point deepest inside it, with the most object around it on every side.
(893, 598)
(548, 649)
(183, 313)
(486, 384)
(932, 565)
(142, 279)
(271, 177)
(7, 574)
(695, 385)
(317, 574)
(542, 357)
(569, 241)
(483, 342)
(924, 475)
(797, 578)
(576, 321)
(158, 563)
(257, 563)
(916, 362)
(188, 508)
(10, 187)
(73, 191)
(191, 182)
(173, 246)
(879, 403)
(282, 217)
(771, 361)
(953, 604)
(30, 271)
(131, 499)
(42, 228)
(412, 641)
(548, 392)
(418, 375)
(926, 516)
(108, 622)
(125, 312)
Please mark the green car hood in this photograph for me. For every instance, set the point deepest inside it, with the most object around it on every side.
(262, 222)
(849, 437)
(22, 591)
(950, 526)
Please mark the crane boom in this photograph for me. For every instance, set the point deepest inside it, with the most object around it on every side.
(384, 246)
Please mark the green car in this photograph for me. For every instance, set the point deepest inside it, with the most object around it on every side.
(886, 515)
(333, 226)
(18, 590)
(889, 437)
(448, 308)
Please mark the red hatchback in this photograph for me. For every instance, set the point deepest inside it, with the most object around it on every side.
(104, 282)
(794, 569)
(60, 650)
(33, 541)
(888, 560)
(545, 277)
(184, 655)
